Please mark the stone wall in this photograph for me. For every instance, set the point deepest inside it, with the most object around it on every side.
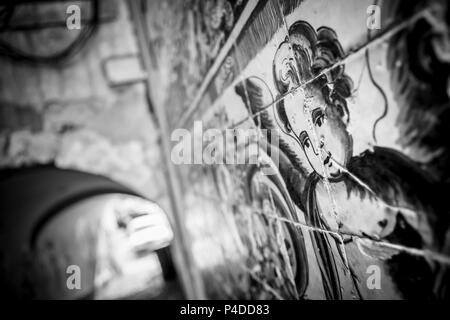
(67, 114)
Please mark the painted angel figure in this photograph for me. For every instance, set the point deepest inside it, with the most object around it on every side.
(380, 194)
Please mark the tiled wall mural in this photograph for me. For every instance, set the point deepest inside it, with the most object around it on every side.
(361, 120)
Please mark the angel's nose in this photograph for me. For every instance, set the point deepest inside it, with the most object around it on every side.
(321, 141)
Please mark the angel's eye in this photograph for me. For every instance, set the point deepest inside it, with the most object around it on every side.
(319, 122)
(318, 117)
(304, 139)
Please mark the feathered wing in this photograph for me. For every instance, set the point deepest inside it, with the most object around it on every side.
(401, 182)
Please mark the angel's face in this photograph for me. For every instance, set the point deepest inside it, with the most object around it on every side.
(320, 130)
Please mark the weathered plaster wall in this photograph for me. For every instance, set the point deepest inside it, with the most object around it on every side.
(67, 114)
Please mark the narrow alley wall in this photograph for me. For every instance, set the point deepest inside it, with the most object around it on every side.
(341, 194)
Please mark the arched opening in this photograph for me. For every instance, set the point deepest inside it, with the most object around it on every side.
(68, 234)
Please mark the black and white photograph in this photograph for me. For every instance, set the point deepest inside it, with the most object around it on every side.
(225, 150)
